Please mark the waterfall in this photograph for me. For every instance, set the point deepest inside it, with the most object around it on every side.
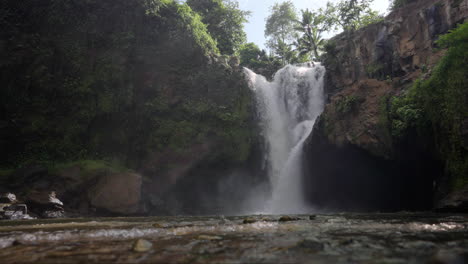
(287, 108)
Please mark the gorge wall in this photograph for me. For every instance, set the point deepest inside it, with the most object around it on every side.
(371, 149)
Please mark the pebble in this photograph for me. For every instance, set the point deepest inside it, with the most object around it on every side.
(142, 245)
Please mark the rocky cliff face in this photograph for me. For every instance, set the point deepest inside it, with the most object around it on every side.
(365, 70)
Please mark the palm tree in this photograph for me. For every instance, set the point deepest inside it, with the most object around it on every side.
(312, 26)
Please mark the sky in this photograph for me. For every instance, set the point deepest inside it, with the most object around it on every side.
(261, 8)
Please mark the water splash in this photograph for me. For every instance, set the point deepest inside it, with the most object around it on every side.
(287, 107)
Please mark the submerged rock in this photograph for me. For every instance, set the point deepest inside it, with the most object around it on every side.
(142, 245)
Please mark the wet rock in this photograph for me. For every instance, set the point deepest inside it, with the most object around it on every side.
(14, 212)
(142, 245)
(117, 193)
(8, 198)
(45, 204)
(287, 218)
(11, 209)
(312, 217)
(249, 220)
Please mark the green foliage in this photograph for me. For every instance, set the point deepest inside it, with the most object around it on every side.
(375, 70)
(405, 114)
(224, 22)
(258, 60)
(439, 105)
(192, 22)
(312, 25)
(348, 104)
(118, 80)
(279, 29)
(88, 167)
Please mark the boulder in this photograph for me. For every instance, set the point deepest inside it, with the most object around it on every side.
(45, 204)
(117, 193)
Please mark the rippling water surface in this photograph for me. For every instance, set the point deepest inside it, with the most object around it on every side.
(337, 238)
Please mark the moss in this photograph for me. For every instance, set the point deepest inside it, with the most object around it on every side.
(89, 167)
(375, 70)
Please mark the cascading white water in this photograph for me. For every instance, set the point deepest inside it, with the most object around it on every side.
(287, 107)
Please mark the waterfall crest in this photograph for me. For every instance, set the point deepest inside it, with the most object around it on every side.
(287, 108)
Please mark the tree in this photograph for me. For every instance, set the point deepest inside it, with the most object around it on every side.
(224, 21)
(312, 25)
(395, 4)
(279, 29)
(354, 14)
(258, 60)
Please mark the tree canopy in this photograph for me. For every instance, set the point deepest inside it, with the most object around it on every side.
(353, 14)
(224, 21)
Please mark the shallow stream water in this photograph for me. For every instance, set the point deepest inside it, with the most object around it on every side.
(334, 238)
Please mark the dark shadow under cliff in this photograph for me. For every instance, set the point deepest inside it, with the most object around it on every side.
(349, 178)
